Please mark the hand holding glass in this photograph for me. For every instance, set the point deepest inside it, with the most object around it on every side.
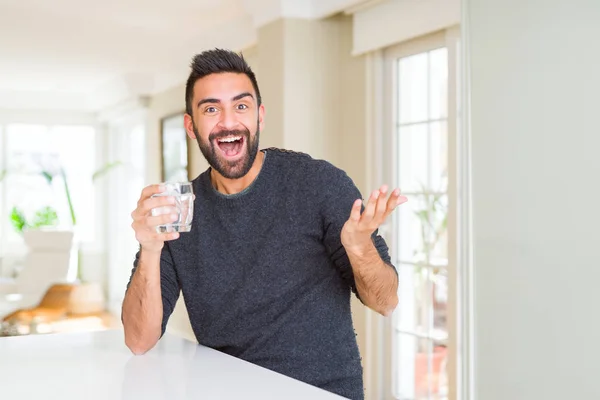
(183, 208)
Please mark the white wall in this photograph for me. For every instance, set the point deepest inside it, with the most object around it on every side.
(535, 138)
(313, 90)
(389, 22)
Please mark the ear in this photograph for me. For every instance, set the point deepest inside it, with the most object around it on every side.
(261, 117)
(188, 123)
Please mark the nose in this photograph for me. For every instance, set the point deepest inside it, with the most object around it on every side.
(228, 120)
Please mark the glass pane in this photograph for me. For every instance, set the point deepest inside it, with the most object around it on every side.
(438, 162)
(27, 190)
(414, 312)
(420, 362)
(412, 80)
(128, 182)
(75, 146)
(422, 230)
(420, 368)
(431, 381)
(413, 157)
(36, 157)
(437, 239)
(436, 380)
(407, 347)
(174, 152)
(439, 285)
(438, 83)
(26, 195)
(412, 229)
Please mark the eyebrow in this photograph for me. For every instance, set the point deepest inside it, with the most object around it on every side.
(235, 98)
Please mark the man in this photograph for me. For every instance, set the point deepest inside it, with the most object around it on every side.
(278, 243)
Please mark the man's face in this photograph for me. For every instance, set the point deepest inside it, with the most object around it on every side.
(226, 122)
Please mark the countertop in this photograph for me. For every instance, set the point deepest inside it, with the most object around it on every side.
(98, 365)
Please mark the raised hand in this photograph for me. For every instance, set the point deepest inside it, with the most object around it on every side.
(357, 231)
(144, 224)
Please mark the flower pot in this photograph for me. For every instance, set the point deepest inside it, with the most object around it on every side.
(48, 240)
(47, 261)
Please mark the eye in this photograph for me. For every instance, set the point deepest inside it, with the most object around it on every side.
(242, 107)
(210, 110)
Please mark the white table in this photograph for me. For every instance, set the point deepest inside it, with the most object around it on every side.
(97, 365)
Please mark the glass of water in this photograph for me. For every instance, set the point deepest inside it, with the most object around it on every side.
(184, 207)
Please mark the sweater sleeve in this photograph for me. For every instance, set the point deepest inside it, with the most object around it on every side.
(338, 195)
(169, 283)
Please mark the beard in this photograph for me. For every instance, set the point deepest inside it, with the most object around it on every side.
(229, 169)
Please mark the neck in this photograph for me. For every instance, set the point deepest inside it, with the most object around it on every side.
(233, 186)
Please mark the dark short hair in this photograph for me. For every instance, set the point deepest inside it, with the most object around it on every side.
(217, 61)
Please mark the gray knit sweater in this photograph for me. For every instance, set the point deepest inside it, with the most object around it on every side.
(264, 275)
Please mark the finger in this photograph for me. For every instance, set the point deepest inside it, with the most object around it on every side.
(165, 236)
(381, 205)
(150, 236)
(148, 205)
(170, 236)
(355, 212)
(146, 228)
(148, 224)
(371, 206)
(154, 205)
(153, 222)
(148, 191)
(394, 201)
(162, 210)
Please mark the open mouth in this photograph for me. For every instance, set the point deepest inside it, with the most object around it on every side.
(231, 146)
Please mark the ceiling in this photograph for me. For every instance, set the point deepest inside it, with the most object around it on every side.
(87, 55)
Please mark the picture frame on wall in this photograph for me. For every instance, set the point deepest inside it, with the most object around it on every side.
(174, 149)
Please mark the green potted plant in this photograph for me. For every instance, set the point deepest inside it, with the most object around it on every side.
(47, 217)
(95, 176)
(44, 217)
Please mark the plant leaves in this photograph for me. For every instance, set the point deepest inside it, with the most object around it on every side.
(17, 219)
(45, 216)
(48, 176)
(105, 169)
(68, 194)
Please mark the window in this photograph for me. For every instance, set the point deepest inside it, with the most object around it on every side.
(39, 160)
(127, 143)
(417, 152)
(104, 164)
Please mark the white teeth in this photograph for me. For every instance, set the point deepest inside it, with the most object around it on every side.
(230, 139)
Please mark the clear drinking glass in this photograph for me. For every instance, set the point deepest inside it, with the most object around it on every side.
(183, 207)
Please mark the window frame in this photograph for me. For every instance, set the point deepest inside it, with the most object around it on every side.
(381, 148)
